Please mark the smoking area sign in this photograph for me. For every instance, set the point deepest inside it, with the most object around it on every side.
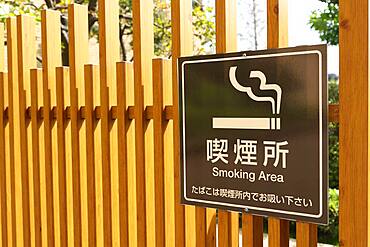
(254, 132)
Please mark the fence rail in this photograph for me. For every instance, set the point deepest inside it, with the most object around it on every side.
(89, 154)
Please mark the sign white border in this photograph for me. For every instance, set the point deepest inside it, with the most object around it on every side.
(320, 130)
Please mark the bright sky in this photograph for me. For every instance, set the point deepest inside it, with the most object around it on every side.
(300, 32)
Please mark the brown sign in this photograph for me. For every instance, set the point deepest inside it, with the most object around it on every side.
(254, 132)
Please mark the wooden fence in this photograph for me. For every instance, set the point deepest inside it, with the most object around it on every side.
(89, 154)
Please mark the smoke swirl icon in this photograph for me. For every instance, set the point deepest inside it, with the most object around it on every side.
(252, 123)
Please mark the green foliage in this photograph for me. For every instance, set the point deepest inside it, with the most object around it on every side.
(326, 22)
(333, 138)
(330, 233)
(13, 8)
(203, 28)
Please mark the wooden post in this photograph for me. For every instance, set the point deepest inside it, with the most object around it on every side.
(26, 47)
(3, 207)
(124, 77)
(354, 113)
(277, 36)
(91, 77)
(252, 228)
(62, 81)
(51, 51)
(109, 56)
(36, 87)
(306, 235)
(78, 57)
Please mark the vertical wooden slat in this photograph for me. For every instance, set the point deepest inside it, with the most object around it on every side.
(354, 158)
(159, 76)
(78, 55)
(277, 23)
(3, 171)
(109, 55)
(211, 230)
(62, 80)
(68, 158)
(3, 208)
(226, 41)
(182, 44)
(142, 12)
(2, 50)
(278, 232)
(252, 230)
(12, 79)
(226, 35)
(98, 176)
(131, 159)
(36, 82)
(91, 75)
(51, 58)
(124, 74)
(277, 36)
(306, 235)
(8, 170)
(168, 152)
(26, 60)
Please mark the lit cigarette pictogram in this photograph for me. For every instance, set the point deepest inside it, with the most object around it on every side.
(249, 122)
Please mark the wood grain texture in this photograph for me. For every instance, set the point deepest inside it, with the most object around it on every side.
(306, 234)
(36, 85)
(182, 45)
(226, 41)
(51, 43)
(354, 112)
(62, 81)
(252, 230)
(78, 57)
(108, 56)
(142, 11)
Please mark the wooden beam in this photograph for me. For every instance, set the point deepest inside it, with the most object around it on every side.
(354, 123)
